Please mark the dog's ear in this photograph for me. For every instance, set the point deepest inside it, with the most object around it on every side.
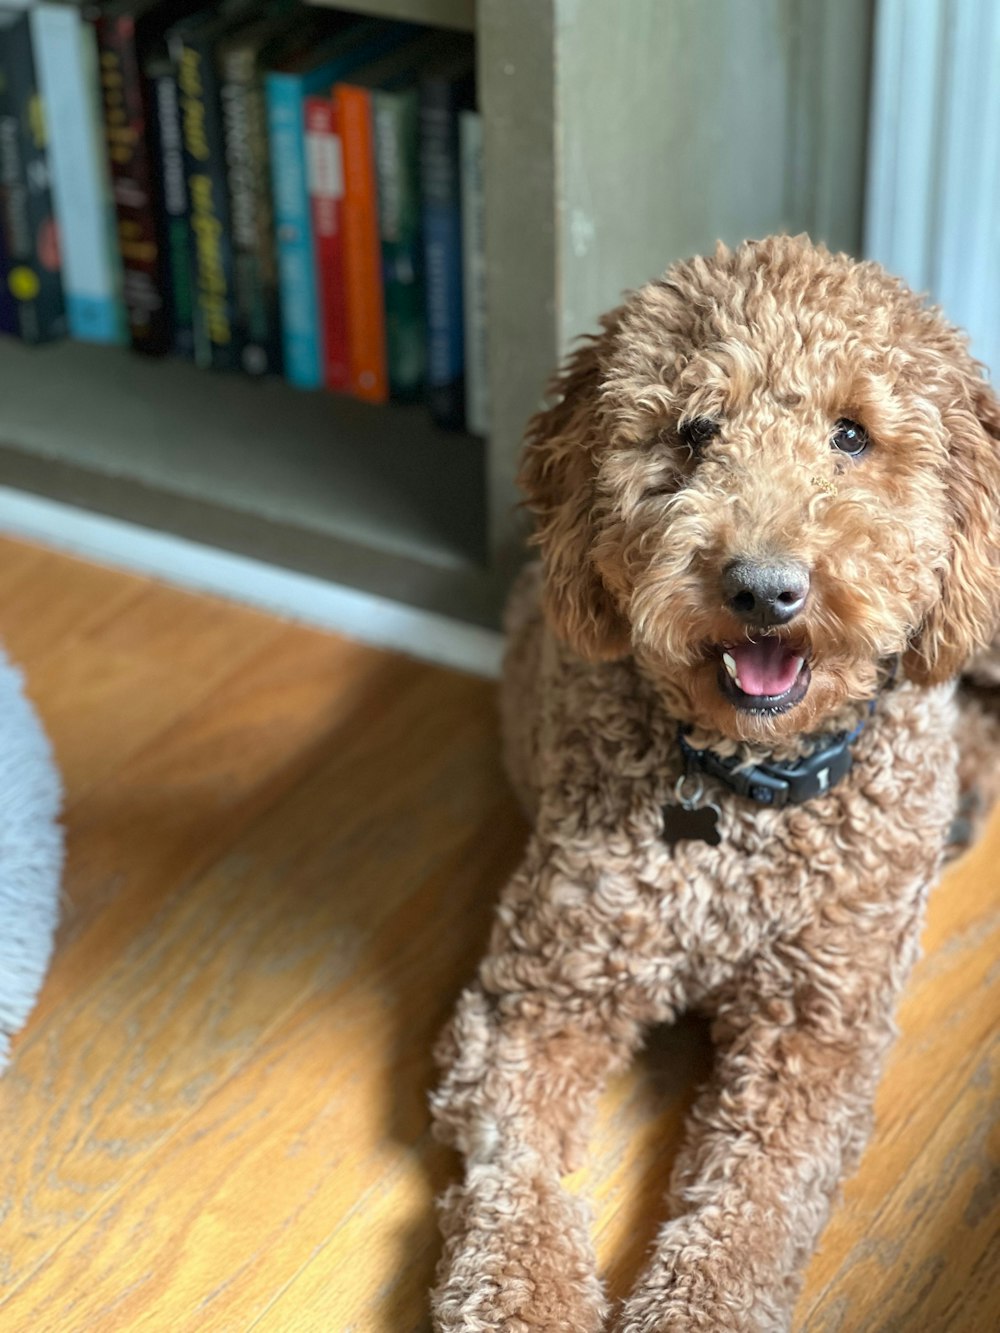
(967, 615)
(558, 473)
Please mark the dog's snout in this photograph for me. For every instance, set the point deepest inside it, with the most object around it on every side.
(763, 594)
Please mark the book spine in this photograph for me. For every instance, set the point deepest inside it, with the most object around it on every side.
(8, 306)
(439, 177)
(255, 274)
(477, 399)
(90, 284)
(362, 249)
(109, 231)
(33, 275)
(301, 342)
(133, 185)
(396, 117)
(216, 343)
(173, 202)
(326, 196)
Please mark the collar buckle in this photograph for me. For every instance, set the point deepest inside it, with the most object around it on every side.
(778, 784)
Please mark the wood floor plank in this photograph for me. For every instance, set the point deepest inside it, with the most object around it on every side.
(937, 1226)
(186, 796)
(17, 560)
(56, 599)
(949, 1026)
(128, 677)
(299, 925)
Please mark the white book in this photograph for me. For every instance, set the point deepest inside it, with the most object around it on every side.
(477, 389)
(65, 54)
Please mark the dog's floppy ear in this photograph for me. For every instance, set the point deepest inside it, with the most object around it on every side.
(557, 476)
(967, 615)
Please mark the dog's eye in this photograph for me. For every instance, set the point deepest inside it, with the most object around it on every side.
(850, 438)
(697, 431)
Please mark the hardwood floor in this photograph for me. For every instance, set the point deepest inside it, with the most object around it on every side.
(283, 851)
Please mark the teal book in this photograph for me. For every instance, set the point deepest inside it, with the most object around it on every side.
(396, 119)
(395, 112)
(287, 85)
(66, 61)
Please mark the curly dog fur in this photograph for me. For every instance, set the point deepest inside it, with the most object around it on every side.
(797, 932)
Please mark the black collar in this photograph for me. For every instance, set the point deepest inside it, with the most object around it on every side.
(779, 784)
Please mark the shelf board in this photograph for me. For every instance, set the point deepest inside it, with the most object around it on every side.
(374, 497)
(460, 14)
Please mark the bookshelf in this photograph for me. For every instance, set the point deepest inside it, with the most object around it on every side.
(457, 14)
(601, 166)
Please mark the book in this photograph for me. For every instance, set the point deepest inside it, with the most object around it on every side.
(326, 198)
(377, 110)
(396, 120)
(130, 32)
(26, 210)
(239, 58)
(171, 200)
(66, 64)
(8, 306)
(444, 93)
(363, 291)
(287, 84)
(192, 43)
(477, 400)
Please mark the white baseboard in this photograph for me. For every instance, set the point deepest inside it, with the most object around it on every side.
(187, 564)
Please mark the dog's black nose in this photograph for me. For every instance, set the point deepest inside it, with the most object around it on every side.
(766, 594)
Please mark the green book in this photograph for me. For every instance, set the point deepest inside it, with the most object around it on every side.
(395, 111)
(396, 131)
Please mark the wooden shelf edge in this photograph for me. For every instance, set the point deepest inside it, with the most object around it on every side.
(463, 592)
(458, 14)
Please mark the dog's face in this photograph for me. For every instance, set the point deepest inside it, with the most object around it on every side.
(773, 471)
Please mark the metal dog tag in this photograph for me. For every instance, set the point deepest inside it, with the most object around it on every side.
(689, 819)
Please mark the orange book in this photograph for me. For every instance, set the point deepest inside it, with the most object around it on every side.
(369, 375)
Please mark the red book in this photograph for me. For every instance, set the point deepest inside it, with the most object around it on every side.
(326, 200)
(362, 246)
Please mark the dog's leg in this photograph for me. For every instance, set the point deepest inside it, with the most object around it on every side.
(522, 1073)
(978, 737)
(788, 1114)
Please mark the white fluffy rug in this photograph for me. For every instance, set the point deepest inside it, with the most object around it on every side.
(31, 855)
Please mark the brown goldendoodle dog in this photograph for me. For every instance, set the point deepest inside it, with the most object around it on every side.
(767, 503)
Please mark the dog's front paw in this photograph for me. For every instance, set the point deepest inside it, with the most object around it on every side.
(699, 1283)
(517, 1257)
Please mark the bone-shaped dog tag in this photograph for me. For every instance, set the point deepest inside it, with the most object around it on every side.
(692, 818)
(699, 823)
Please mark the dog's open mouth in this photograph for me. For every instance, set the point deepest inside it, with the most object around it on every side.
(763, 675)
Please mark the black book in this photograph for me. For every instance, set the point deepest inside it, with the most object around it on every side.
(218, 336)
(240, 57)
(8, 306)
(445, 90)
(31, 238)
(129, 33)
(171, 202)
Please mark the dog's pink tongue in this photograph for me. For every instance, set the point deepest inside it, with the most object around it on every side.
(765, 666)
